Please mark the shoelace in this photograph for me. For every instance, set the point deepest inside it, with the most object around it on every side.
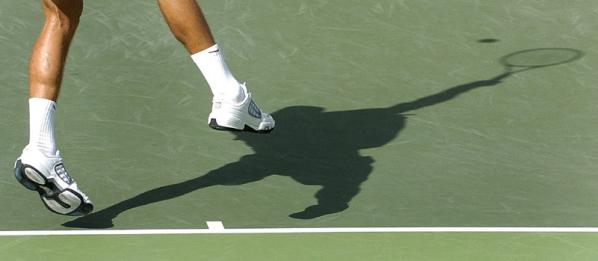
(63, 174)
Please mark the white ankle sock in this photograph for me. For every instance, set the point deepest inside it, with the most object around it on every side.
(222, 83)
(41, 125)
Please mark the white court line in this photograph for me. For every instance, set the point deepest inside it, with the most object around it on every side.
(216, 227)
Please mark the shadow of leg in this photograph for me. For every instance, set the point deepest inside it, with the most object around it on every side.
(331, 200)
(232, 174)
(338, 190)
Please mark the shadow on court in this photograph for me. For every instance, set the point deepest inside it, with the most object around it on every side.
(309, 145)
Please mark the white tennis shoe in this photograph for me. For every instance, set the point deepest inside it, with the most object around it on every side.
(243, 116)
(48, 176)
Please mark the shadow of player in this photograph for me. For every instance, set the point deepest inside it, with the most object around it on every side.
(309, 145)
(313, 147)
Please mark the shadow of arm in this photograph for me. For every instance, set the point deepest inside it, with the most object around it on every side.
(446, 95)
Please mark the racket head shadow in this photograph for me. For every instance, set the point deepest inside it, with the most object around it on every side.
(540, 57)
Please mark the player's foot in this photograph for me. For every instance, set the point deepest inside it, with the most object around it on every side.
(243, 116)
(47, 175)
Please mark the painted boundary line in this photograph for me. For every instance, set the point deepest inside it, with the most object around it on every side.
(216, 227)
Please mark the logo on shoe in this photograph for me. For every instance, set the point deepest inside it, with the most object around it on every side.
(254, 110)
(61, 172)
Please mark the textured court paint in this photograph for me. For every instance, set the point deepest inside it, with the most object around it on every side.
(533, 247)
(132, 116)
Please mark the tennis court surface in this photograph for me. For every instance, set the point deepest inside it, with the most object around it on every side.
(390, 114)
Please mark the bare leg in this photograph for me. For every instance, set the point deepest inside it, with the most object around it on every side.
(40, 167)
(50, 49)
(187, 23)
(232, 100)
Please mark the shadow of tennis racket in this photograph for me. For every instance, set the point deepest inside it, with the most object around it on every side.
(513, 63)
(529, 59)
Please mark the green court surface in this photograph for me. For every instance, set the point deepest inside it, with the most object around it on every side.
(457, 247)
(391, 113)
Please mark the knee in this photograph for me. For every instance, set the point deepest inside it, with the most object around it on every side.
(63, 15)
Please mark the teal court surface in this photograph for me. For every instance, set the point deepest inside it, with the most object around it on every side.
(404, 130)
